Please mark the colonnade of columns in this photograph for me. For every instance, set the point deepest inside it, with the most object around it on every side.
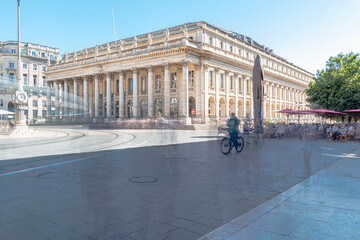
(231, 95)
(72, 104)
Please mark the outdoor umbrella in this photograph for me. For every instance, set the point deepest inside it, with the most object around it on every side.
(325, 112)
(354, 111)
(4, 112)
(258, 80)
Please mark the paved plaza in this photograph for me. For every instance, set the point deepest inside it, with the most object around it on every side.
(75, 183)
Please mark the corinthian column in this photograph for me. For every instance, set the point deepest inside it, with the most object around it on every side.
(96, 83)
(185, 90)
(66, 99)
(217, 92)
(86, 97)
(48, 98)
(167, 91)
(150, 93)
(108, 95)
(75, 97)
(121, 94)
(57, 108)
(135, 93)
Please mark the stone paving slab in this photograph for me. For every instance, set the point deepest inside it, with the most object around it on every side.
(87, 194)
(320, 207)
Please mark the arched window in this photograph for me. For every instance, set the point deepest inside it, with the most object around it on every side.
(158, 107)
(174, 108)
(130, 109)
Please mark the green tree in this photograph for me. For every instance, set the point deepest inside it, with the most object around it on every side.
(337, 87)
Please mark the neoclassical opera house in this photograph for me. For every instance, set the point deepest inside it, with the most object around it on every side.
(196, 72)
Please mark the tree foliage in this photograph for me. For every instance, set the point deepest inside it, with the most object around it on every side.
(337, 87)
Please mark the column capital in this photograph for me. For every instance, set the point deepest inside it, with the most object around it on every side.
(206, 66)
(134, 69)
(166, 65)
(185, 62)
(227, 72)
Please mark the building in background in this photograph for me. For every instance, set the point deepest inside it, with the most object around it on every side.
(35, 61)
(196, 72)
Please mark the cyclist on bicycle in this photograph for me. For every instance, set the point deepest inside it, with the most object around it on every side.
(233, 128)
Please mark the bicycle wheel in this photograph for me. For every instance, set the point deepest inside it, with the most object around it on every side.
(240, 145)
(225, 146)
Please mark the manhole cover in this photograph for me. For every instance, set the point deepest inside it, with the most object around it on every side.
(143, 179)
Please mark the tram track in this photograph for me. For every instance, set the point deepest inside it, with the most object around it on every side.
(46, 142)
(82, 151)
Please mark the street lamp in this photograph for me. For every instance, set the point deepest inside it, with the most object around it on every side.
(20, 96)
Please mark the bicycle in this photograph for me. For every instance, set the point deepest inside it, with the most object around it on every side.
(228, 144)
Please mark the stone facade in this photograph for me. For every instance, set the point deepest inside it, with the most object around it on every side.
(192, 71)
(35, 60)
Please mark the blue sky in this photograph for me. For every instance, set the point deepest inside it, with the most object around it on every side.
(305, 32)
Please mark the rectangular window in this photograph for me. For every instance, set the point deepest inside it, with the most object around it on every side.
(221, 45)
(143, 83)
(247, 86)
(35, 103)
(34, 67)
(117, 86)
(231, 49)
(25, 79)
(43, 69)
(210, 41)
(12, 77)
(173, 80)
(130, 84)
(51, 56)
(211, 78)
(240, 85)
(158, 82)
(221, 80)
(35, 80)
(22, 51)
(44, 81)
(231, 83)
(13, 50)
(240, 52)
(247, 55)
(24, 66)
(191, 78)
(42, 54)
(33, 53)
(11, 65)
(44, 103)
